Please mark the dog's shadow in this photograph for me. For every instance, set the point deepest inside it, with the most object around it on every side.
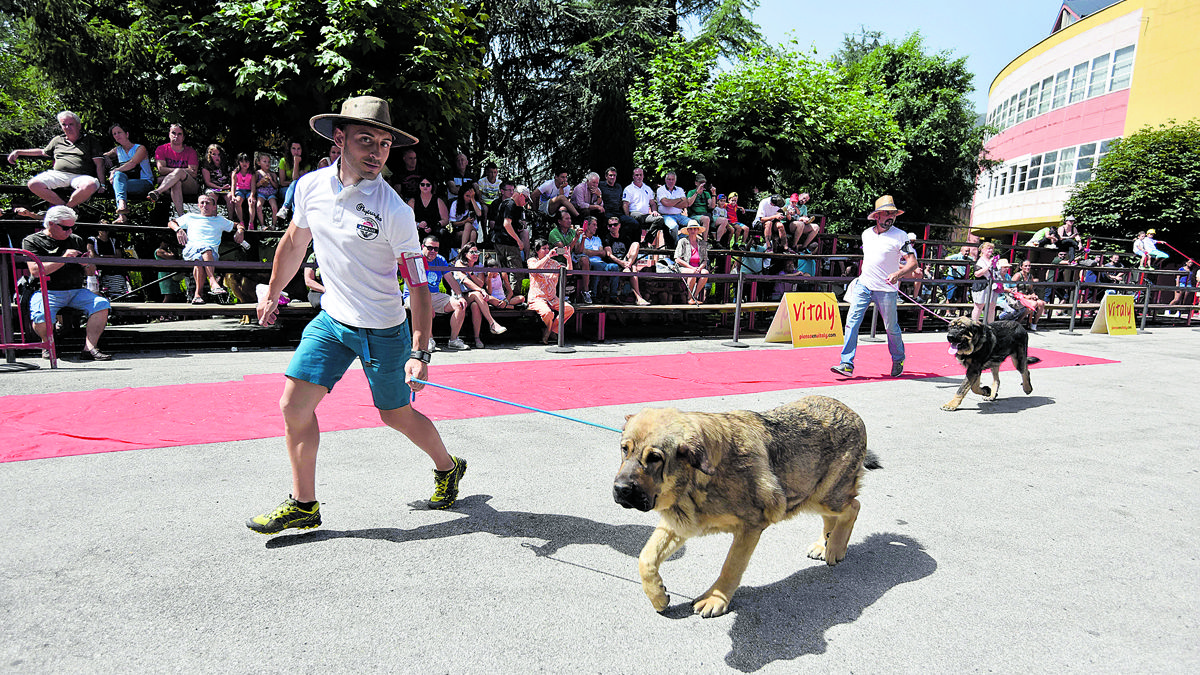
(789, 618)
(556, 530)
(1014, 404)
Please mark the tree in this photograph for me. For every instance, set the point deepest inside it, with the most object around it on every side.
(927, 96)
(778, 120)
(1149, 179)
(27, 104)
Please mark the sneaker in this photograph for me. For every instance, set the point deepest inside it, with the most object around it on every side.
(587, 298)
(457, 343)
(432, 346)
(1033, 328)
(445, 484)
(897, 368)
(288, 514)
(284, 214)
(844, 369)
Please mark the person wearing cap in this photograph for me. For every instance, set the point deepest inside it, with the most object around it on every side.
(363, 233)
(702, 206)
(64, 281)
(770, 217)
(1068, 238)
(691, 257)
(888, 256)
(1151, 254)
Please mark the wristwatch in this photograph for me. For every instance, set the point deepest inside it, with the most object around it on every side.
(421, 355)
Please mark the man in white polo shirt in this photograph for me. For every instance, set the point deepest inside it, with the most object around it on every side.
(671, 201)
(638, 202)
(885, 248)
(361, 232)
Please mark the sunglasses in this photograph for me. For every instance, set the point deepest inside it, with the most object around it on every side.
(429, 247)
(475, 251)
(426, 184)
(68, 228)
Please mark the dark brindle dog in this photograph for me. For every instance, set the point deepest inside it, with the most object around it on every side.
(739, 472)
(980, 346)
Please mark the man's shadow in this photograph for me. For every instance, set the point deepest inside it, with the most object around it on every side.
(790, 617)
(556, 530)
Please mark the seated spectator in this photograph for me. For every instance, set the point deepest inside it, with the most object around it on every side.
(587, 197)
(554, 194)
(132, 173)
(1113, 272)
(112, 281)
(243, 192)
(623, 251)
(168, 286)
(564, 235)
(637, 201)
(291, 167)
(983, 290)
(593, 250)
(461, 175)
(474, 285)
(489, 189)
(200, 237)
(466, 216)
(328, 160)
(956, 272)
(543, 293)
(691, 256)
(739, 233)
(266, 189)
(770, 218)
(214, 174)
(312, 281)
(792, 273)
(78, 164)
(500, 292)
(408, 178)
(672, 201)
(801, 225)
(64, 281)
(507, 231)
(178, 169)
(611, 193)
(1151, 257)
(701, 206)
(1186, 280)
(1047, 237)
(1024, 293)
(452, 303)
(1069, 238)
(429, 210)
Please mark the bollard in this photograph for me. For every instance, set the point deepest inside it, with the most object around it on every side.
(561, 347)
(1074, 310)
(737, 312)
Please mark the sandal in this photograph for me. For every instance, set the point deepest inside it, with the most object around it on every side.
(152, 196)
(197, 300)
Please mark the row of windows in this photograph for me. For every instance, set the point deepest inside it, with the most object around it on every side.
(1105, 73)
(1050, 169)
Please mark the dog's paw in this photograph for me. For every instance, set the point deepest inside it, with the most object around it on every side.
(950, 407)
(712, 604)
(1028, 388)
(660, 601)
(987, 393)
(817, 550)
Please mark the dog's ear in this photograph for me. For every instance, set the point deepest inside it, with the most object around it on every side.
(696, 455)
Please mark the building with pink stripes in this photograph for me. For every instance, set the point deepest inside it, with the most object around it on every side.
(1107, 69)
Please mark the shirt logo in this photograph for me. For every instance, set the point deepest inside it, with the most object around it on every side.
(369, 228)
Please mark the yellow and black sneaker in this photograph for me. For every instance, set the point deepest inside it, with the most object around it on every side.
(445, 484)
(289, 514)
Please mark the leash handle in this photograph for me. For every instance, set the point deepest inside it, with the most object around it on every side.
(515, 405)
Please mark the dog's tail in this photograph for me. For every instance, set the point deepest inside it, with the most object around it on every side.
(1033, 359)
(871, 461)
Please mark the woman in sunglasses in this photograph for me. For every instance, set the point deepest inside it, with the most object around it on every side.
(474, 286)
(429, 210)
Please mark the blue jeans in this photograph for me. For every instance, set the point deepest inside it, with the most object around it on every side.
(613, 281)
(885, 301)
(123, 185)
(675, 222)
(290, 196)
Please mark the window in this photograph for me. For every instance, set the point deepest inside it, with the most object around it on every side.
(1031, 109)
(1012, 110)
(1012, 180)
(1079, 77)
(1061, 80)
(1104, 147)
(1048, 164)
(1035, 168)
(1066, 167)
(1083, 165)
(1021, 107)
(1003, 182)
(1021, 181)
(1122, 69)
(1099, 75)
(1044, 101)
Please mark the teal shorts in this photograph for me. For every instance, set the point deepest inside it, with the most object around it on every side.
(328, 347)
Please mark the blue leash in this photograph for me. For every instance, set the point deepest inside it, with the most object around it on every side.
(516, 405)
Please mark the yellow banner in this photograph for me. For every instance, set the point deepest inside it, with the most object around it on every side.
(1115, 316)
(807, 320)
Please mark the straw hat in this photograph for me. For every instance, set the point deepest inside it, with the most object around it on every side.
(1003, 263)
(369, 110)
(885, 204)
(693, 225)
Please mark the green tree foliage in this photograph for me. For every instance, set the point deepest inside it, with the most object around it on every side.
(27, 104)
(1150, 178)
(246, 72)
(927, 96)
(778, 120)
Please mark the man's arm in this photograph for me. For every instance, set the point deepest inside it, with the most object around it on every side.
(421, 307)
(909, 265)
(512, 232)
(288, 258)
(28, 152)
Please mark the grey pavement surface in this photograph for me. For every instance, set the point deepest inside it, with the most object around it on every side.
(1055, 532)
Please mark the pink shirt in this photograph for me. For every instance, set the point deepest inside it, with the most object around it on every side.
(176, 160)
(243, 181)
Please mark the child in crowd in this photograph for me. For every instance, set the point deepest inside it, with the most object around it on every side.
(740, 232)
(267, 185)
(214, 173)
(242, 192)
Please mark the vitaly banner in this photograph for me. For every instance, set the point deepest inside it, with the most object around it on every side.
(807, 319)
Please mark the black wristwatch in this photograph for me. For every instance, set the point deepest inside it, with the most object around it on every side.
(421, 355)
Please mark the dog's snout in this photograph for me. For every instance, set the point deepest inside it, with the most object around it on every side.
(630, 496)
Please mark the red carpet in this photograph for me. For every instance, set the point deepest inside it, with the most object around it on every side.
(49, 425)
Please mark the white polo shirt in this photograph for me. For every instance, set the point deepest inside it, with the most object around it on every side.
(638, 198)
(358, 233)
(881, 257)
(664, 193)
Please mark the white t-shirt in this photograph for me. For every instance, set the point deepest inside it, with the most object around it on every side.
(664, 193)
(358, 233)
(638, 198)
(881, 257)
(549, 190)
(204, 230)
(766, 209)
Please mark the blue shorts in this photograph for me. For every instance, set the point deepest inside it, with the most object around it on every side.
(81, 299)
(328, 347)
(244, 194)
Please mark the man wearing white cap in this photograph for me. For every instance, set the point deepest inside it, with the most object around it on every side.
(884, 249)
(362, 233)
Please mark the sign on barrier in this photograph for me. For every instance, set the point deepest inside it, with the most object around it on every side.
(1115, 316)
(807, 320)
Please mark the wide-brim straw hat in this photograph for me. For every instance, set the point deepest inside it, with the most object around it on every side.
(369, 110)
(885, 204)
(693, 225)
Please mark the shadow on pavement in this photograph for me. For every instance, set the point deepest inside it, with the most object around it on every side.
(789, 618)
(555, 529)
